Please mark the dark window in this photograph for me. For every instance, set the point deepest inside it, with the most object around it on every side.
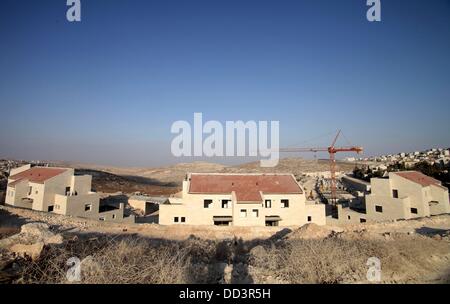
(206, 203)
(414, 210)
(284, 203)
(362, 220)
(221, 223)
(87, 207)
(348, 216)
(378, 209)
(268, 204)
(175, 219)
(309, 218)
(183, 219)
(395, 193)
(50, 208)
(67, 190)
(225, 204)
(271, 223)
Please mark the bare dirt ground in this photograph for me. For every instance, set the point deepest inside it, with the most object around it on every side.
(413, 251)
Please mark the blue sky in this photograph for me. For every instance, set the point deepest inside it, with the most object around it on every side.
(106, 90)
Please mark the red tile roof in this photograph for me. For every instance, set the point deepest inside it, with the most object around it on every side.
(246, 187)
(36, 175)
(419, 178)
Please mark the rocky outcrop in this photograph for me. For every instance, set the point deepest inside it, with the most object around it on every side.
(31, 240)
(312, 231)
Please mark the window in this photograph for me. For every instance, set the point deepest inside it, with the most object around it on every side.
(268, 204)
(348, 216)
(113, 216)
(50, 209)
(222, 223)
(101, 218)
(395, 193)
(243, 213)
(255, 212)
(225, 204)
(67, 190)
(207, 203)
(362, 220)
(271, 223)
(183, 219)
(87, 207)
(378, 209)
(309, 218)
(175, 219)
(30, 190)
(414, 210)
(284, 203)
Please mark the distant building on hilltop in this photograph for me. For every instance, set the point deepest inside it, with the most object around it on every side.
(241, 200)
(60, 191)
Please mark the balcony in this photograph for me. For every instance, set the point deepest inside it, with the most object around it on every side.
(27, 200)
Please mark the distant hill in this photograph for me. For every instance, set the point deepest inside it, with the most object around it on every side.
(167, 180)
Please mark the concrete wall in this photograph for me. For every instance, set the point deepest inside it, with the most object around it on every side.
(392, 208)
(415, 193)
(81, 184)
(55, 186)
(348, 216)
(317, 214)
(439, 195)
(137, 204)
(15, 194)
(76, 205)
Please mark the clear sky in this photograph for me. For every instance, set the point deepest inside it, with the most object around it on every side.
(107, 89)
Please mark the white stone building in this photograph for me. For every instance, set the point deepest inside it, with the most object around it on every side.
(241, 200)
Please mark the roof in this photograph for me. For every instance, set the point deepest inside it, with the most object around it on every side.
(419, 178)
(356, 180)
(247, 187)
(36, 174)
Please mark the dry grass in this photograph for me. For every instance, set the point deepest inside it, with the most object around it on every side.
(336, 259)
(111, 260)
(340, 260)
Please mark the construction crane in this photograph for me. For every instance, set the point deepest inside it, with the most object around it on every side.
(332, 150)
